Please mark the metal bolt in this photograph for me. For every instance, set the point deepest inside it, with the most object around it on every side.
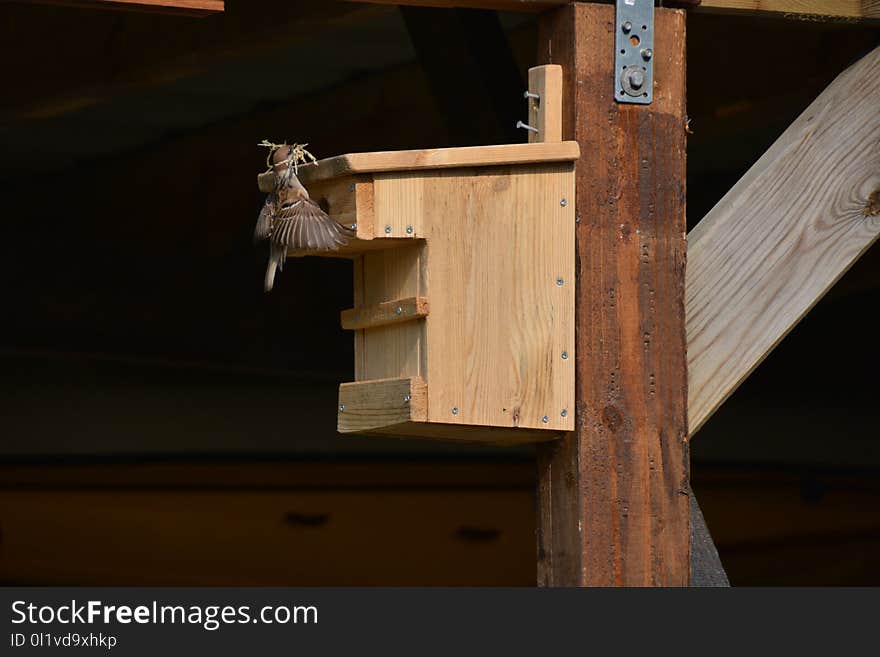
(399, 310)
(647, 53)
(406, 399)
(545, 419)
(559, 281)
(636, 78)
(627, 27)
(409, 230)
(342, 408)
(564, 412)
(564, 355)
(455, 410)
(387, 230)
(563, 202)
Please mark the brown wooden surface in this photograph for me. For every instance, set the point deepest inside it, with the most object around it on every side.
(782, 236)
(813, 10)
(613, 495)
(186, 7)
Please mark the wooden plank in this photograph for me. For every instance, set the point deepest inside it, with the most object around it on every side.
(811, 10)
(781, 237)
(613, 495)
(184, 7)
(366, 405)
(387, 312)
(500, 336)
(545, 112)
(440, 158)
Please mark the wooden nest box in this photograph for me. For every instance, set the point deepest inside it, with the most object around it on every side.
(463, 286)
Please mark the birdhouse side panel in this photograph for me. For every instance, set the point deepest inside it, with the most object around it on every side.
(500, 280)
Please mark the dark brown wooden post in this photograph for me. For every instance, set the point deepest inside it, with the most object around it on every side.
(613, 507)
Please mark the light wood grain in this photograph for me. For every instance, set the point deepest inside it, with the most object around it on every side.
(782, 236)
(440, 158)
(387, 312)
(500, 276)
(381, 404)
(852, 10)
(545, 112)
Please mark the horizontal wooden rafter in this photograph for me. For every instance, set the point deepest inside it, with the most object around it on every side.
(782, 236)
(846, 10)
(186, 7)
(382, 314)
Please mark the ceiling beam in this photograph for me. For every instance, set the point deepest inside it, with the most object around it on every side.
(810, 10)
(782, 236)
(185, 7)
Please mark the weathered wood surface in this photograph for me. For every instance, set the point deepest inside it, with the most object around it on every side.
(813, 10)
(782, 236)
(613, 495)
(187, 7)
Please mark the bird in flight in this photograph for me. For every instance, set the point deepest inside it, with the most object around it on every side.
(290, 220)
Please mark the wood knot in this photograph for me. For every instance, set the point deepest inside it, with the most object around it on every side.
(872, 208)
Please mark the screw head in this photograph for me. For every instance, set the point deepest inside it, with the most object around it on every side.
(627, 27)
(564, 412)
(647, 54)
(564, 355)
(563, 202)
(351, 187)
(354, 226)
(406, 399)
(455, 410)
(409, 230)
(560, 282)
(545, 419)
(342, 408)
(399, 310)
(387, 230)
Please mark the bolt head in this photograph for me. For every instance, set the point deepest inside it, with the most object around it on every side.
(636, 78)
(627, 27)
(647, 54)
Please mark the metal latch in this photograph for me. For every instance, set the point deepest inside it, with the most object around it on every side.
(634, 52)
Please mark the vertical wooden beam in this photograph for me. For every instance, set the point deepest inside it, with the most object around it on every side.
(613, 495)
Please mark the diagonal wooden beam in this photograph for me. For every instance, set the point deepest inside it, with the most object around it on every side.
(782, 236)
(809, 10)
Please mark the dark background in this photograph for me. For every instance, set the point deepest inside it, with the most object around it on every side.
(165, 422)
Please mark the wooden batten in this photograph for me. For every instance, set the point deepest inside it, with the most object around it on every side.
(382, 314)
(381, 404)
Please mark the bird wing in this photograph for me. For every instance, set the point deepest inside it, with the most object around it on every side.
(263, 229)
(304, 225)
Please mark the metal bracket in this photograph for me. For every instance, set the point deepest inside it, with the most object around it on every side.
(634, 52)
